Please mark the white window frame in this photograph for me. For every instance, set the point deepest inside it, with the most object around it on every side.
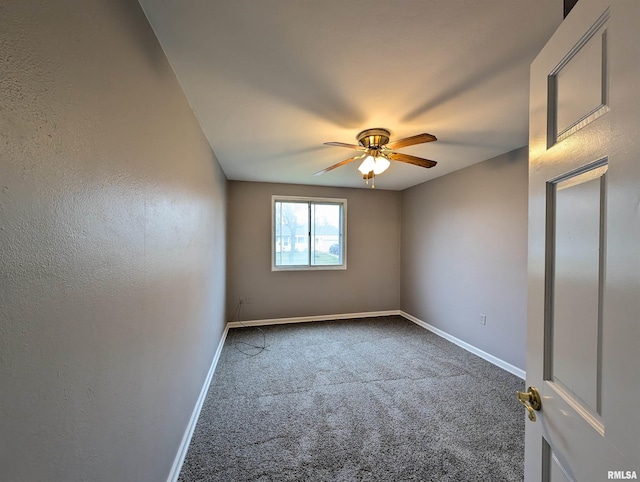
(310, 200)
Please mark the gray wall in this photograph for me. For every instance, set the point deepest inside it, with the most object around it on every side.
(370, 283)
(464, 252)
(112, 244)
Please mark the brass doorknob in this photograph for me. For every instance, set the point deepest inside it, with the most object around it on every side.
(531, 401)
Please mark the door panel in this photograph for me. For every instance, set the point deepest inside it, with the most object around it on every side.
(556, 471)
(583, 327)
(578, 84)
(575, 231)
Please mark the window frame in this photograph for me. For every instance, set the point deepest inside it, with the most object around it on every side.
(310, 235)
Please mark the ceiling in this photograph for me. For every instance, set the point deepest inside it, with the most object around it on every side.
(271, 80)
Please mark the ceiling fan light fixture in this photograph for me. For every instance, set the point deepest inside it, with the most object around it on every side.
(367, 165)
(382, 164)
(378, 152)
(378, 165)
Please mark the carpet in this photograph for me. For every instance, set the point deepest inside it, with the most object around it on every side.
(355, 400)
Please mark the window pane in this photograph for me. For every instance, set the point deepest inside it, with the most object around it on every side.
(309, 233)
(292, 234)
(326, 234)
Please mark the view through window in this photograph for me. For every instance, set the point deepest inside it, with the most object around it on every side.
(309, 233)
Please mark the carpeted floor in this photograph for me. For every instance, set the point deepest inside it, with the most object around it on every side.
(371, 399)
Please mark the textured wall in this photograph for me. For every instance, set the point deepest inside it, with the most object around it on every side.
(370, 282)
(464, 252)
(112, 239)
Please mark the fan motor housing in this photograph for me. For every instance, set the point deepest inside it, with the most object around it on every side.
(373, 137)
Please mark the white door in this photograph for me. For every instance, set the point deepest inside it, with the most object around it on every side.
(583, 338)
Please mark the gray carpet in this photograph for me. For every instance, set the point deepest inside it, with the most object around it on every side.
(372, 399)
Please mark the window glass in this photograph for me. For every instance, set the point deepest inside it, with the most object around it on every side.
(325, 225)
(308, 233)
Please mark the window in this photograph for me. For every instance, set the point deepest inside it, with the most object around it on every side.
(308, 233)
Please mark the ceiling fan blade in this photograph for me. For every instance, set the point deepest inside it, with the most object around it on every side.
(410, 141)
(335, 166)
(416, 161)
(348, 146)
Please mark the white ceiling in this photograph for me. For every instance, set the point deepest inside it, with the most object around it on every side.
(271, 80)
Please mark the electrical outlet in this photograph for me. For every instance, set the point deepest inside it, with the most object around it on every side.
(244, 300)
(483, 319)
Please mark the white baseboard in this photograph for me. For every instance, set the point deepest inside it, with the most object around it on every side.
(186, 439)
(304, 319)
(470, 348)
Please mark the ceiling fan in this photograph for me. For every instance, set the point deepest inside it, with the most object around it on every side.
(377, 152)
